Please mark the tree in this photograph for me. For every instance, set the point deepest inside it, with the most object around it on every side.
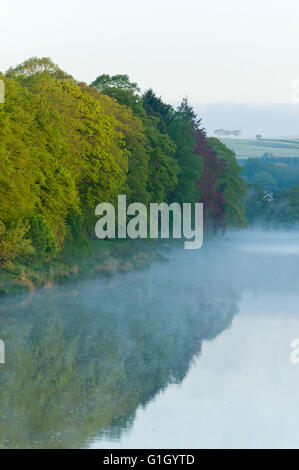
(227, 133)
(154, 106)
(36, 65)
(211, 193)
(66, 146)
(42, 238)
(231, 183)
(182, 131)
(136, 143)
(258, 136)
(163, 169)
(265, 180)
(256, 207)
(236, 133)
(59, 151)
(13, 242)
(122, 89)
(104, 81)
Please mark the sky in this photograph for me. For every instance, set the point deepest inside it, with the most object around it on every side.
(211, 51)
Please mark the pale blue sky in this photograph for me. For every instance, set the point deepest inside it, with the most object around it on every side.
(213, 50)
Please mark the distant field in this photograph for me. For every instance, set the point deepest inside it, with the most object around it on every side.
(250, 148)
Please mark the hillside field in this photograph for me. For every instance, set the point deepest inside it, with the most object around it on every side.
(251, 148)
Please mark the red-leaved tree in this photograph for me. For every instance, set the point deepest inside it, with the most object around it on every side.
(211, 192)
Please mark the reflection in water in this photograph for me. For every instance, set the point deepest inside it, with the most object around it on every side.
(81, 359)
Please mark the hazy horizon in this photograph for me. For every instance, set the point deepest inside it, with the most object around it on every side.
(272, 120)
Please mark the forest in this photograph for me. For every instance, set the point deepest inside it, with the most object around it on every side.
(66, 146)
(279, 177)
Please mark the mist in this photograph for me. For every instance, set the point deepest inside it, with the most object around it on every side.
(90, 364)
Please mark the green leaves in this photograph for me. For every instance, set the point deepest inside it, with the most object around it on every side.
(42, 238)
(66, 147)
(103, 82)
(13, 242)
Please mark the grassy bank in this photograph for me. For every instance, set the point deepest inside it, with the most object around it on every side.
(105, 258)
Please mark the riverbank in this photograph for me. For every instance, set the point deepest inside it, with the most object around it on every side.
(104, 259)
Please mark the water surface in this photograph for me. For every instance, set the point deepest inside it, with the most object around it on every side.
(192, 353)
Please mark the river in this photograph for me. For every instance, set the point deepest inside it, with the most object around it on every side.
(192, 353)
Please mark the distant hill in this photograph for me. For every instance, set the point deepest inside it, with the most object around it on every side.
(250, 148)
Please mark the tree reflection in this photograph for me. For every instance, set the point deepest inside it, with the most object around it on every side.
(81, 359)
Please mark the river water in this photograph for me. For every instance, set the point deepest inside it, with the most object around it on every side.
(192, 353)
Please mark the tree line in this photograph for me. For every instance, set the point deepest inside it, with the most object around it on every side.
(278, 176)
(227, 133)
(66, 146)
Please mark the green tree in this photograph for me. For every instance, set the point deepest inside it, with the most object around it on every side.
(13, 242)
(42, 238)
(162, 168)
(181, 130)
(265, 180)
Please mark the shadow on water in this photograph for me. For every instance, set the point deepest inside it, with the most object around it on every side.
(81, 359)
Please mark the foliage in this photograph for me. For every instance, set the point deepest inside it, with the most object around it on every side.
(36, 65)
(76, 240)
(272, 173)
(42, 238)
(66, 146)
(265, 180)
(283, 211)
(212, 193)
(231, 183)
(13, 242)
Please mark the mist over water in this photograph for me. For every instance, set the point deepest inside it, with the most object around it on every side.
(194, 352)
